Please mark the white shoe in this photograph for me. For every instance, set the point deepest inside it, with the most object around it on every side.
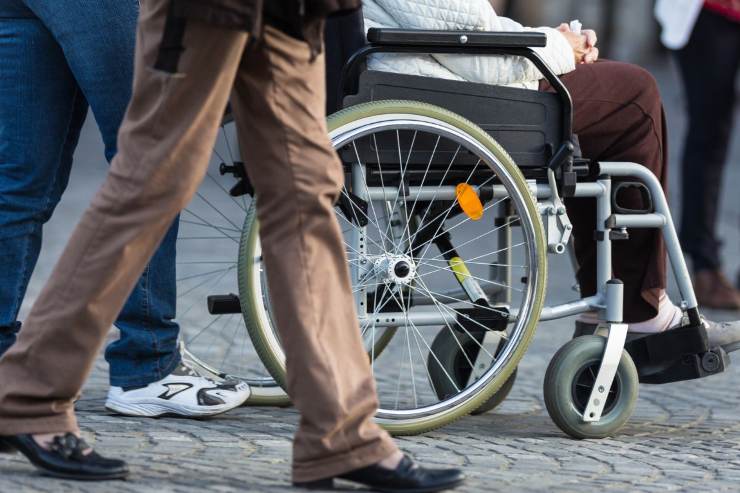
(725, 334)
(182, 393)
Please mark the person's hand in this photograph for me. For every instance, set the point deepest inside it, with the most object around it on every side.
(583, 44)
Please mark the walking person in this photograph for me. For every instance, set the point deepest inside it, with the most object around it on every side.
(706, 37)
(56, 60)
(191, 56)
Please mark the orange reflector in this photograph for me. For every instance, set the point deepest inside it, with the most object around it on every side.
(469, 201)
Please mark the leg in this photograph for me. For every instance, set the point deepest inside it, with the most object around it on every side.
(154, 175)
(618, 116)
(147, 348)
(36, 148)
(710, 91)
(279, 106)
(97, 38)
(105, 33)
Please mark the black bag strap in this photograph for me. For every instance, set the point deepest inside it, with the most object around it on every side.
(171, 47)
(344, 36)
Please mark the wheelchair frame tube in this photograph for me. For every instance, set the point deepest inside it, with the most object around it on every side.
(661, 219)
(360, 189)
(567, 309)
(657, 221)
(603, 241)
(673, 246)
(503, 270)
(606, 221)
(419, 319)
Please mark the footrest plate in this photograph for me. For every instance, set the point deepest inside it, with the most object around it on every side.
(676, 355)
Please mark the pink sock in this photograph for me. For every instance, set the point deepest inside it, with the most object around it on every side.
(669, 315)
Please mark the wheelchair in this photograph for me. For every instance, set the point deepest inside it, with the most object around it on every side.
(453, 201)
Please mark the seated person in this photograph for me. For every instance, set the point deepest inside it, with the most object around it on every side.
(618, 116)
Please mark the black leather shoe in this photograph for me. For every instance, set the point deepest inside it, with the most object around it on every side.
(65, 458)
(408, 477)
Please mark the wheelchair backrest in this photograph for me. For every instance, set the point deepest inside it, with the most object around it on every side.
(526, 123)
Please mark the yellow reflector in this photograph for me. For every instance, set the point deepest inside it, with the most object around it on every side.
(459, 268)
(469, 201)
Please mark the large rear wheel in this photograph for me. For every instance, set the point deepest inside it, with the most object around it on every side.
(426, 246)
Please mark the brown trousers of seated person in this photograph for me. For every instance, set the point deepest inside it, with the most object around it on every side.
(618, 116)
(164, 147)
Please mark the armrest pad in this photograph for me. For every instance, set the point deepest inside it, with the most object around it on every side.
(461, 39)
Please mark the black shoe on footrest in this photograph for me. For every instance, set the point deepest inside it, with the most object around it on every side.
(408, 477)
(66, 458)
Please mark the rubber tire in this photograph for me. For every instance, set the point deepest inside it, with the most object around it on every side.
(500, 396)
(559, 395)
(250, 232)
(447, 352)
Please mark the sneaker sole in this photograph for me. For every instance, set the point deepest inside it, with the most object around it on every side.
(77, 477)
(155, 408)
(731, 347)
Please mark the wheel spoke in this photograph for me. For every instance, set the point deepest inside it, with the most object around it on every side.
(487, 329)
(432, 294)
(240, 205)
(195, 276)
(408, 344)
(370, 221)
(208, 225)
(442, 222)
(225, 271)
(216, 209)
(215, 227)
(471, 276)
(486, 264)
(452, 332)
(202, 330)
(436, 192)
(467, 242)
(367, 190)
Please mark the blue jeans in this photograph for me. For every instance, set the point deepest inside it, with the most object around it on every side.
(57, 58)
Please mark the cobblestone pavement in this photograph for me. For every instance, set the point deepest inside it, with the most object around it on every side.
(682, 436)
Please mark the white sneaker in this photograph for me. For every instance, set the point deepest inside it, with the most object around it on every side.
(725, 334)
(182, 393)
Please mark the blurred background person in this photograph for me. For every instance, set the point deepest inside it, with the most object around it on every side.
(706, 37)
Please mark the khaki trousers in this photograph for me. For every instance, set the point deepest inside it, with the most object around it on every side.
(164, 147)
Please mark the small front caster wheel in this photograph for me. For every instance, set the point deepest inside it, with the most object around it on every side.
(569, 379)
(450, 362)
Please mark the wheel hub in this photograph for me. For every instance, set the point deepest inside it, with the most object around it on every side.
(583, 383)
(399, 269)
